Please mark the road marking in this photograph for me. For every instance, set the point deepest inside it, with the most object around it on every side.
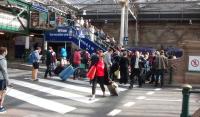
(73, 87)
(84, 82)
(54, 92)
(114, 112)
(178, 89)
(41, 102)
(157, 89)
(129, 104)
(150, 93)
(165, 100)
(140, 97)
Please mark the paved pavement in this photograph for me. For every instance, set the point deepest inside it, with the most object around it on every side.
(24, 66)
(54, 98)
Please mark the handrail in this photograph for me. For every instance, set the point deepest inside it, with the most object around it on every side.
(104, 42)
(194, 91)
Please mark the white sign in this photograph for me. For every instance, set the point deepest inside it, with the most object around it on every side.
(194, 63)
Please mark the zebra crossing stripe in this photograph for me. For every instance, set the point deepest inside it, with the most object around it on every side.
(54, 92)
(84, 82)
(73, 87)
(41, 102)
(129, 104)
(114, 112)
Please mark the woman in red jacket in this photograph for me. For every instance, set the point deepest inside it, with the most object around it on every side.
(99, 76)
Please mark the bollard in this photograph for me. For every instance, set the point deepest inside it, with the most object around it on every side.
(185, 101)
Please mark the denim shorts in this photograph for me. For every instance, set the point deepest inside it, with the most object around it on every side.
(3, 84)
(36, 65)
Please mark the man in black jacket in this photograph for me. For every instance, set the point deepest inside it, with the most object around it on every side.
(136, 65)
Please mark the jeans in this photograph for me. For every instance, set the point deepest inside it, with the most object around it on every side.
(160, 73)
(48, 70)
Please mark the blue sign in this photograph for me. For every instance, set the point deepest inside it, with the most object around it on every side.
(125, 38)
(70, 34)
(60, 33)
(39, 7)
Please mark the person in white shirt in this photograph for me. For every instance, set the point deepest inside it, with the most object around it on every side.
(107, 58)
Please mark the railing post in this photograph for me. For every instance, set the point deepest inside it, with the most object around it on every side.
(170, 75)
(185, 102)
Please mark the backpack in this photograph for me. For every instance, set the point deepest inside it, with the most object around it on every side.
(31, 58)
(48, 57)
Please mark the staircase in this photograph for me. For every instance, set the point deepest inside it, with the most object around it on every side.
(75, 35)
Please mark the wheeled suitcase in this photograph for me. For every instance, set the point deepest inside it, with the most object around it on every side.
(58, 70)
(113, 89)
(66, 73)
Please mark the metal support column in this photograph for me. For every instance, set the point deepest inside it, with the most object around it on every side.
(126, 26)
(136, 33)
(121, 40)
(45, 45)
(27, 42)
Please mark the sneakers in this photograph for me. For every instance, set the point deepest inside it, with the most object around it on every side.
(47, 77)
(104, 94)
(92, 98)
(2, 110)
(130, 87)
(36, 79)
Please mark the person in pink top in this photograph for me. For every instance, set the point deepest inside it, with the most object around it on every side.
(77, 58)
(99, 76)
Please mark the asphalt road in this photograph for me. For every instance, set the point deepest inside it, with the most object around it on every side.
(54, 98)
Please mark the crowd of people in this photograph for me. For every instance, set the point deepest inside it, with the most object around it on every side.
(121, 66)
(86, 29)
(114, 65)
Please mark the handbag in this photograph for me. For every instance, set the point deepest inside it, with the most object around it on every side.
(114, 84)
(91, 73)
(117, 74)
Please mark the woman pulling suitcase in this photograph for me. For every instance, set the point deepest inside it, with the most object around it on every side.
(99, 75)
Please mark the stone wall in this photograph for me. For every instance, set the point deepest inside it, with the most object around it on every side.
(162, 34)
(156, 34)
(191, 48)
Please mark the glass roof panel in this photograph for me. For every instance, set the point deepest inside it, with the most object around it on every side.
(112, 6)
(145, 1)
(77, 2)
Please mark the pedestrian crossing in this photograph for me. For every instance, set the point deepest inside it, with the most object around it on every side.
(71, 90)
(63, 94)
(41, 102)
